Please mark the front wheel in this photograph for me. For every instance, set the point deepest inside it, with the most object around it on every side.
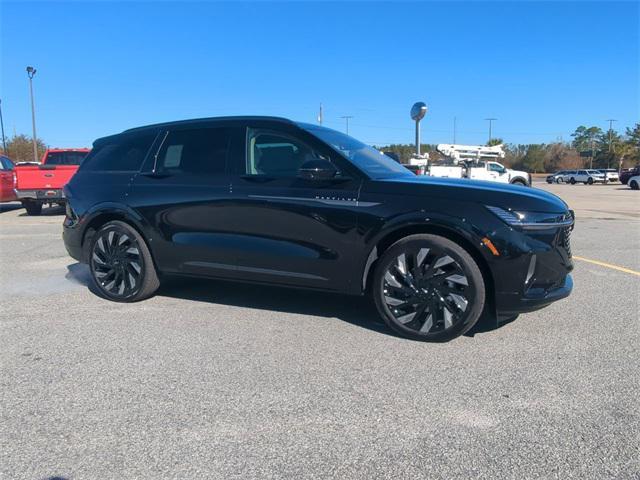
(427, 287)
(121, 264)
(634, 185)
(519, 182)
(589, 181)
(572, 181)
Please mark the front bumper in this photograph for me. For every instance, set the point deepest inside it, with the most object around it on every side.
(534, 299)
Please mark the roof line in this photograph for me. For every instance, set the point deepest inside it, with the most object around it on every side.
(209, 119)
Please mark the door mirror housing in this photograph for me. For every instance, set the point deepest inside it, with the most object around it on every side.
(317, 170)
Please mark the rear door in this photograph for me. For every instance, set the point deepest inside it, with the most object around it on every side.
(288, 229)
(183, 196)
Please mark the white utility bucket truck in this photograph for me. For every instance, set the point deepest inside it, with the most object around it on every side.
(476, 162)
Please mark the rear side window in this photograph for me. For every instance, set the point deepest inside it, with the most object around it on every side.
(65, 158)
(122, 154)
(202, 151)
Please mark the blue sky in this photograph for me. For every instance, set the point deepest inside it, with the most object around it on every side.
(541, 68)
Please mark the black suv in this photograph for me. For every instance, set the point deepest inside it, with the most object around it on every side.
(268, 200)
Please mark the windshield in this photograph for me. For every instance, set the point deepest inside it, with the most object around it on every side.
(373, 162)
(65, 158)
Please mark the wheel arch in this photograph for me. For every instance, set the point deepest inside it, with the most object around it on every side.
(391, 237)
(107, 213)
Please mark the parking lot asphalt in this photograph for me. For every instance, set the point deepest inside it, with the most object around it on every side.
(216, 380)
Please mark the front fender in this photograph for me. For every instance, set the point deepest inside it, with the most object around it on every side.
(420, 221)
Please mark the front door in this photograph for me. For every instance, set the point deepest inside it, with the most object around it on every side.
(289, 229)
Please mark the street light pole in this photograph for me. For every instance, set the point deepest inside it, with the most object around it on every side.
(490, 120)
(4, 143)
(30, 73)
(347, 117)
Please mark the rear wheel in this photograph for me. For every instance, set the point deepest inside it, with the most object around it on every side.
(429, 288)
(634, 185)
(32, 208)
(121, 264)
(572, 181)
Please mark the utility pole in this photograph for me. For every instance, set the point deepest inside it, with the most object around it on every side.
(320, 117)
(611, 120)
(4, 143)
(30, 73)
(593, 141)
(490, 120)
(347, 117)
(454, 130)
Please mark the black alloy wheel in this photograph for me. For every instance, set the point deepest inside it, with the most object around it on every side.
(428, 288)
(121, 264)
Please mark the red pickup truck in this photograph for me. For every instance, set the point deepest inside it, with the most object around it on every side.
(37, 184)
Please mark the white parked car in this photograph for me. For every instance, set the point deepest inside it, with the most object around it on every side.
(610, 174)
(587, 177)
(634, 182)
(557, 177)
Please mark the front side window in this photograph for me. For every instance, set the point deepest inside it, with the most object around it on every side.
(119, 154)
(496, 167)
(276, 155)
(202, 151)
(582, 172)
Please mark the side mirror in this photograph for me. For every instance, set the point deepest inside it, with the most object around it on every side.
(317, 170)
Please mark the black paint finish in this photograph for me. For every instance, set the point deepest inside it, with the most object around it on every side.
(314, 233)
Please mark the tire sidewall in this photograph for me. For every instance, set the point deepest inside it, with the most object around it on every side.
(121, 227)
(460, 255)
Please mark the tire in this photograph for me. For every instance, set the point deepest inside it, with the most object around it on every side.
(589, 181)
(572, 181)
(560, 180)
(440, 295)
(519, 182)
(32, 208)
(121, 265)
(634, 185)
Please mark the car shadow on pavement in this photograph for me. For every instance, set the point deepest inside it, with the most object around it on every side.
(358, 311)
(9, 207)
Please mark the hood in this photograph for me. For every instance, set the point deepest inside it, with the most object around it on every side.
(495, 194)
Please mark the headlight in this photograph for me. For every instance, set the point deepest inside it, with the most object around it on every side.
(532, 220)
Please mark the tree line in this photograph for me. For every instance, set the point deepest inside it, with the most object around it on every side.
(20, 148)
(591, 147)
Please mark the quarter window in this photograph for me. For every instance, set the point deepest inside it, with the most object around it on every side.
(203, 151)
(120, 154)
